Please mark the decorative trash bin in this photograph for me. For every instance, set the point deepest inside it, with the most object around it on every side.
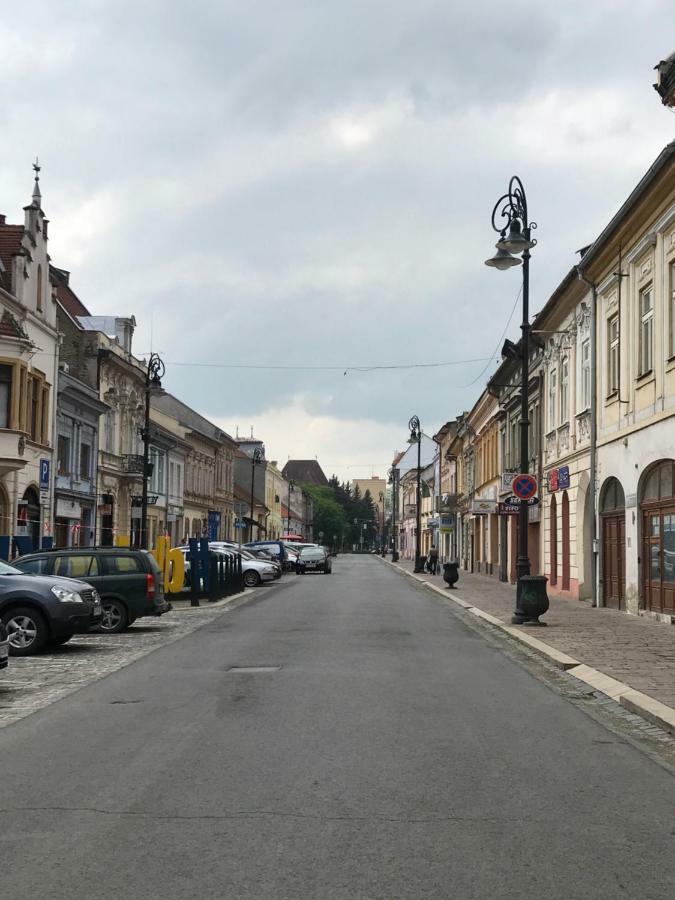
(532, 600)
(451, 573)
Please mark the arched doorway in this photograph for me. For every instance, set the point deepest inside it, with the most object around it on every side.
(553, 540)
(613, 516)
(5, 518)
(565, 542)
(657, 507)
(32, 504)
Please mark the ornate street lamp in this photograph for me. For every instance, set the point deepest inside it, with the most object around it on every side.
(257, 457)
(154, 373)
(393, 481)
(510, 220)
(416, 438)
(291, 490)
(383, 546)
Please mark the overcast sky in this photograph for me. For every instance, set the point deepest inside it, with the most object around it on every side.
(311, 183)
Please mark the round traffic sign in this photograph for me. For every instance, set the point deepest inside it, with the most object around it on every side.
(524, 486)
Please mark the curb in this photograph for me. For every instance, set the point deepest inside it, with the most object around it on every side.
(635, 701)
(234, 600)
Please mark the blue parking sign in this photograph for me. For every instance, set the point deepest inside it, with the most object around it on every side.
(44, 474)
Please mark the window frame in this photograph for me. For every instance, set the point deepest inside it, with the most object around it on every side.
(552, 398)
(646, 347)
(613, 357)
(585, 367)
(564, 414)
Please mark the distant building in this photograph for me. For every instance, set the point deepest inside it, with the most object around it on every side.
(28, 380)
(304, 471)
(665, 80)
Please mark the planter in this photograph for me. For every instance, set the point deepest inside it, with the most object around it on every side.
(451, 573)
(532, 600)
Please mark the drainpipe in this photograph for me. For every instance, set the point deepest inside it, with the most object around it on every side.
(594, 434)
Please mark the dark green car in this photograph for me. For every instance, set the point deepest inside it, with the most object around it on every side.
(130, 582)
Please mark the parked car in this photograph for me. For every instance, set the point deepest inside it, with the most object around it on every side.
(254, 571)
(4, 646)
(44, 609)
(251, 553)
(276, 548)
(130, 582)
(314, 559)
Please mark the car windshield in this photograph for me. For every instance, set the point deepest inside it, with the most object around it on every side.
(311, 553)
(6, 569)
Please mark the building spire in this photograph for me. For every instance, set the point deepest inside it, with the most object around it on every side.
(37, 196)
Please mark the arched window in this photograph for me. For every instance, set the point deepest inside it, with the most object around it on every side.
(565, 542)
(39, 288)
(612, 496)
(553, 540)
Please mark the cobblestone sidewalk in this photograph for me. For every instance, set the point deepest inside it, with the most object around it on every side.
(631, 649)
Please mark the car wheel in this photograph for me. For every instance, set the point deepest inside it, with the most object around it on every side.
(27, 629)
(251, 578)
(58, 641)
(115, 618)
(131, 620)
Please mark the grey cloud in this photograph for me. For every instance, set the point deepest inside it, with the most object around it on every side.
(245, 235)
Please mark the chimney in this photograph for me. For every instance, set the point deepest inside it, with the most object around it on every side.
(2, 218)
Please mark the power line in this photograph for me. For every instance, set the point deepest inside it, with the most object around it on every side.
(345, 369)
(495, 355)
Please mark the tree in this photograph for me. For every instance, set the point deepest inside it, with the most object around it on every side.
(329, 516)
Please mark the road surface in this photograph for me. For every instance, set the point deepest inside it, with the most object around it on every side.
(395, 753)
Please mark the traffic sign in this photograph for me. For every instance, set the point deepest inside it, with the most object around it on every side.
(524, 486)
(512, 500)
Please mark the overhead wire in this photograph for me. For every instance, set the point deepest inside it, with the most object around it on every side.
(496, 354)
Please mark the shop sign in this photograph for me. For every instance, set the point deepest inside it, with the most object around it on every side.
(446, 525)
(432, 523)
(68, 509)
(105, 509)
(483, 507)
(559, 479)
(214, 524)
(508, 509)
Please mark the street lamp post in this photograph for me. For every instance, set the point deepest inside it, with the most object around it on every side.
(256, 459)
(291, 488)
(383, 548)
(393, 481)
(416, 438)
(510, 220)
(153, 382)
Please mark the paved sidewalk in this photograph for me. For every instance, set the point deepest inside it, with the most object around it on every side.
(630, 649)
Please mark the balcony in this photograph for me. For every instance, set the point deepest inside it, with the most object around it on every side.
(132, 464)
(12, 449)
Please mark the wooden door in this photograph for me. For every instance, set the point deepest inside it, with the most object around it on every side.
(613, 560)
(658, 559)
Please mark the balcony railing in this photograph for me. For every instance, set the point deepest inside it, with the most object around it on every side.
(132, 464)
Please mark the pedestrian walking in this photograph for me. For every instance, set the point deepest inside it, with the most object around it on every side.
(433, 560)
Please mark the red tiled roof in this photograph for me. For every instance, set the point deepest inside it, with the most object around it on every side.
(11, 327)
(10, 245)
(66, 295)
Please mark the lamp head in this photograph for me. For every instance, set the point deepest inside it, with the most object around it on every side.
(502, 260)
(515, 241)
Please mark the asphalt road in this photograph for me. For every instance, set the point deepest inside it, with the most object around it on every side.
(395, 754)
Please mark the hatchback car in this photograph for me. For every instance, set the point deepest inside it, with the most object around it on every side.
(314, 559)
(130, 582)
(38, 610)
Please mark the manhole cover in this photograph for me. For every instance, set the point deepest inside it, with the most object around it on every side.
(251, 670)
